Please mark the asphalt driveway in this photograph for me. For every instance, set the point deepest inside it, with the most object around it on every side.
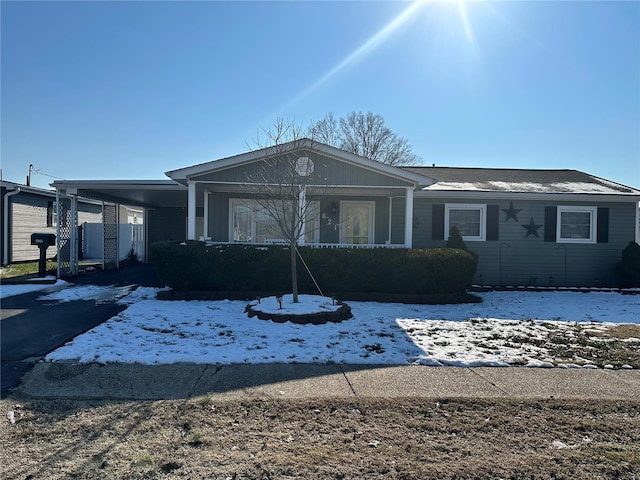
(29, 328)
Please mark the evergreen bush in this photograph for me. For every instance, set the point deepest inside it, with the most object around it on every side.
(455, 239)
(195, 266)
(628, 267)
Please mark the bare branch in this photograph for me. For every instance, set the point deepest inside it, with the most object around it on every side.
(279, 185)
(364, 134)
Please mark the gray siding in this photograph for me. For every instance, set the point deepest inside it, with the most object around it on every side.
(513, 259)
(518, 260)
(166, 224)
(89, 213)
(219, 216)
(327, 171)
(397, 220)
(28, 214)
(2, 193)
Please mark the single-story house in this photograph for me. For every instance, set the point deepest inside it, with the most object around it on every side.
(26, 210)
(529, 227)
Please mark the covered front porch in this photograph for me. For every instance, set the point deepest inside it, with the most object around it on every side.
(341, 199)
(364, 218)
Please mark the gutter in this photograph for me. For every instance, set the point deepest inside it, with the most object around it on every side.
(542, 196)
(7, 239)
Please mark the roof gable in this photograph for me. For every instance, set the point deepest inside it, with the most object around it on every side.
(329, 156)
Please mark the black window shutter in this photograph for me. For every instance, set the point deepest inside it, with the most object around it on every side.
(437, 222)
(603, 225)
(550, 223)
(493, 222)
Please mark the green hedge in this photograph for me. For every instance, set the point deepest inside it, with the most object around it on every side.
(628, 268)
(194, 266)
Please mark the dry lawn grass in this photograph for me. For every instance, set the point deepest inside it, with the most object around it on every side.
(616, 345)
(320, 439)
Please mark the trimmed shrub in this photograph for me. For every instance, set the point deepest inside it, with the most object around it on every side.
(628, 268)
(455, 239)
(194, 266)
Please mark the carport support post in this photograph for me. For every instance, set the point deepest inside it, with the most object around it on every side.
(58, 231)
(73, 240)
(191, 212)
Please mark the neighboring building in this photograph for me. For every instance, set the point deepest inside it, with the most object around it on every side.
(131, 215)
(542, 227)
(26, 210)
(130, 235)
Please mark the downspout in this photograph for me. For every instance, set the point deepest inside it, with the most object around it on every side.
(5, 258)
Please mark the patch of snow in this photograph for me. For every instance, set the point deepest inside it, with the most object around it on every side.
(539, 364)
(307, 304)
(47, 278)
(13, 290)
(88, 292)
(532, 187)
(501, 331)
(139, 294)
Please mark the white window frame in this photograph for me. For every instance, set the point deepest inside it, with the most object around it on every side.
(344, 204)
(253, 205)
(593, 211)
(467, 206)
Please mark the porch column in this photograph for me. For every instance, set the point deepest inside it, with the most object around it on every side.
(205, 232)
(191, 212)
(408, 219)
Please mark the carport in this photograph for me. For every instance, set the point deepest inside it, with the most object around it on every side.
(164, 203)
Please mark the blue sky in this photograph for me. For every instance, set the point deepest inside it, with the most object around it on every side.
(114, 90)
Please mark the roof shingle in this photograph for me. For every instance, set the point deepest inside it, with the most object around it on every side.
(519, 180)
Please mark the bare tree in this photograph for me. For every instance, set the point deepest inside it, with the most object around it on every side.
(364, 134)
(326, 130)
(279, 185)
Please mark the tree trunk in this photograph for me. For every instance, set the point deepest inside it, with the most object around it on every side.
(294, 273)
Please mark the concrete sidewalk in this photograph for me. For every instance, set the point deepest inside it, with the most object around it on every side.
(144, 382)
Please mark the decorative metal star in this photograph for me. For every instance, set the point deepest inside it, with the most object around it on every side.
(532, 228)
(511, 212)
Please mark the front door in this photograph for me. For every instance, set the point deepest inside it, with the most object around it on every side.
(356, 221)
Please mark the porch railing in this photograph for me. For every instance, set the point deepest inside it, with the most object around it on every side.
(312, 245)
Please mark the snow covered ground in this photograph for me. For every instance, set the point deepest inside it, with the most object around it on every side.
(12, 290)
(508, 328)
